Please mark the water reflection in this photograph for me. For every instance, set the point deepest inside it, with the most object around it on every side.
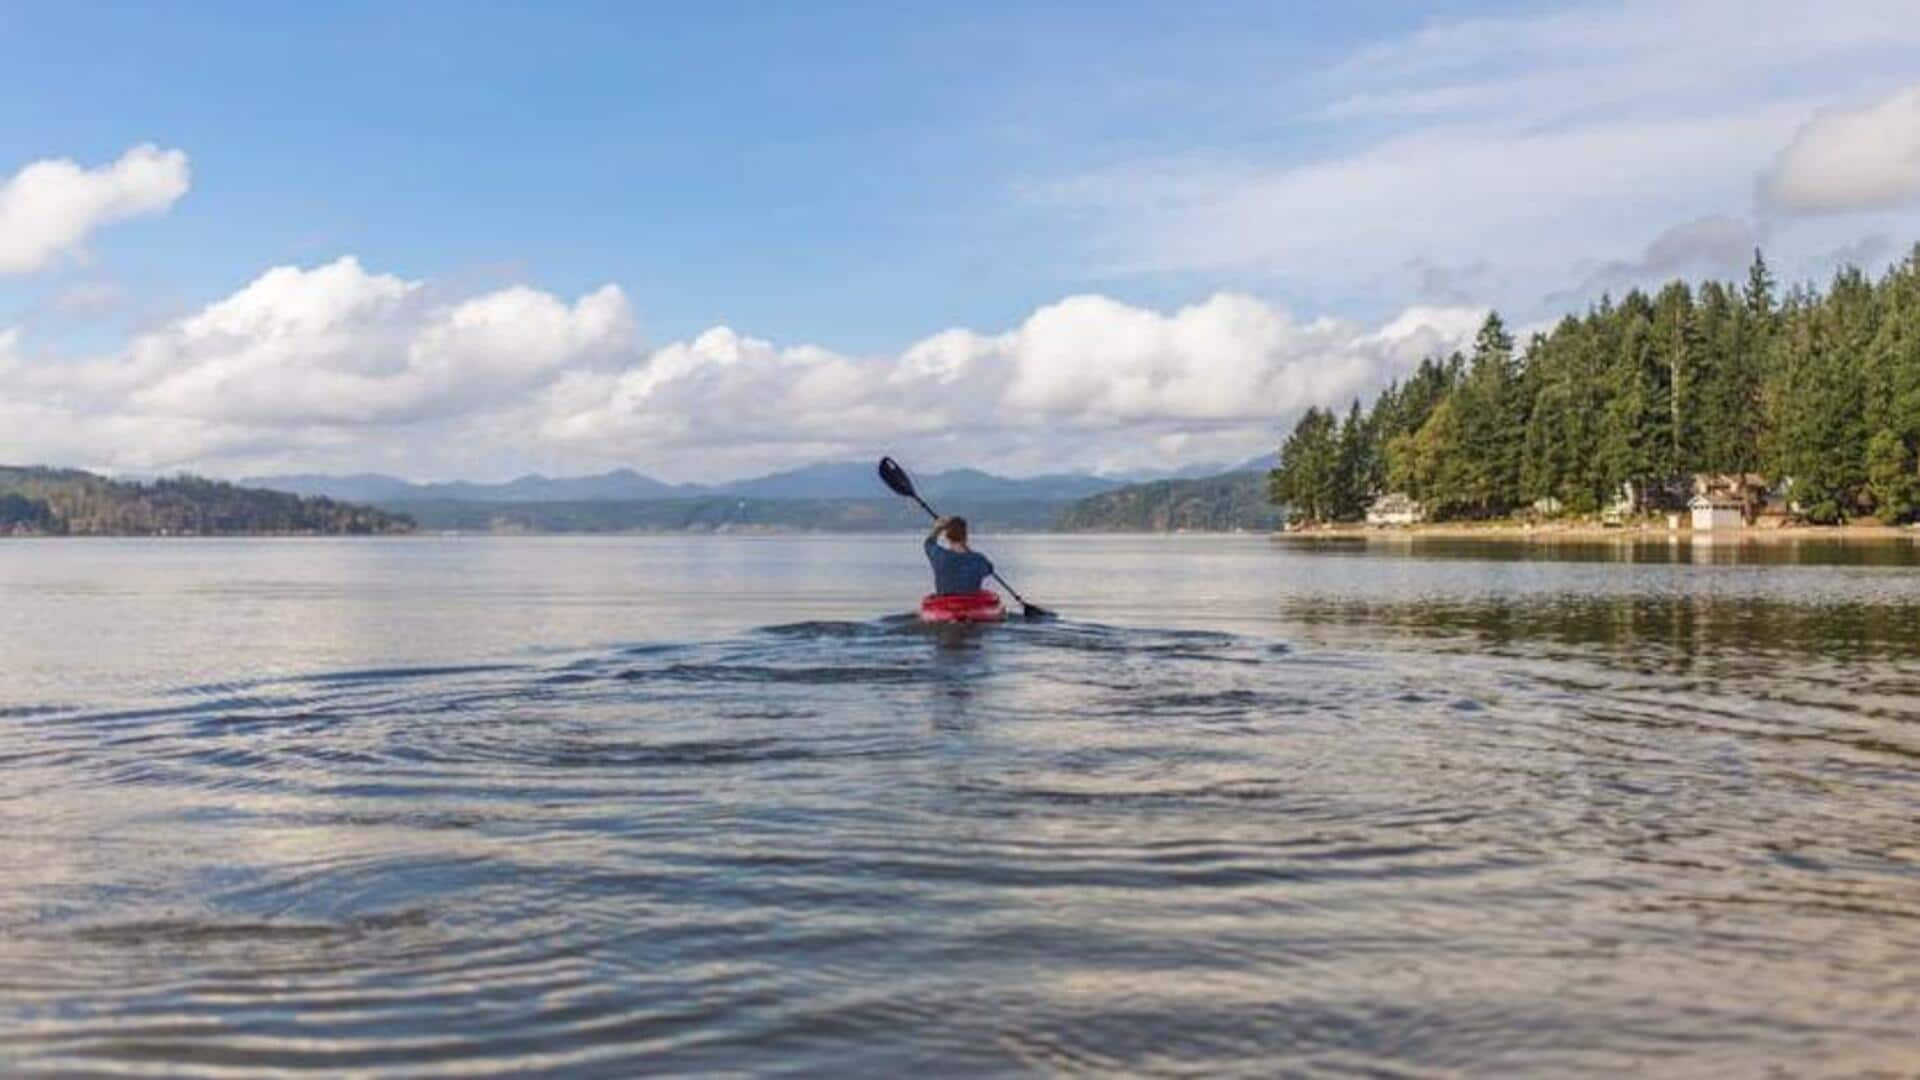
(1654, 548)
(1666, 630)
(1274, 810)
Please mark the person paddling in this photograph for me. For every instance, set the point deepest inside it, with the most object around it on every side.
(972, 568)
(957, 569)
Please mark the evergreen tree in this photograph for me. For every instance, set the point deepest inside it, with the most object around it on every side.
(1892, 405)
(1632, 434)
(1562, 434)
(1306, 480)
(1491, 418)
(1758, 294)
(1817, 435)
(1676, 369)
(1433, 465)
(1353, 467)
(1820, 392)
(1890, 477)
(1726, 389)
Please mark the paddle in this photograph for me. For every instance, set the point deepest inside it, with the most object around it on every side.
(896, 478)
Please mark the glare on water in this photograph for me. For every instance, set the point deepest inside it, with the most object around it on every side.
(711, 803)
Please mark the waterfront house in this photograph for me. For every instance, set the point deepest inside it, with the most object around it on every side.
(1717, 511)
(1760, 503)
(1396, 508)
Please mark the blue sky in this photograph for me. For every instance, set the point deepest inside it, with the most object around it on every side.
(836, 185)
(850, 174)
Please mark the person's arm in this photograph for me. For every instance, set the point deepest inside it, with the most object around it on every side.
(939, 525)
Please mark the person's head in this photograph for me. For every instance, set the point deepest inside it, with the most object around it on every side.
(957, 530)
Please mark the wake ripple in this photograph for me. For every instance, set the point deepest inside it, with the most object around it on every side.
(875, 847)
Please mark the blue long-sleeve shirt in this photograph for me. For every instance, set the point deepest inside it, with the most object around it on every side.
(957, 571)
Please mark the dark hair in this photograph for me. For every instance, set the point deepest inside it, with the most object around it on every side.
(957, 530)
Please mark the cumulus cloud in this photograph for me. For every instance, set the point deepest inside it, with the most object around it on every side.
(338, 345)
(325, 359)
(1086, 381)
(49, 208)
(338, 367)
(1847, 160)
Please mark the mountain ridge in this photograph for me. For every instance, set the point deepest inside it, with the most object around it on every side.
(818, 480)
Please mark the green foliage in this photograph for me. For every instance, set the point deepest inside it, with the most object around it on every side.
(72, 502)
(1890, 477)
(1434, 464)
(1308, 479)
(1211, 504)
(1488, 414)
(1820, 389)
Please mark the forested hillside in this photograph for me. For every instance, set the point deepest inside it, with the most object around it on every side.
(75, 503)
(1211, 504)
(1817, 389)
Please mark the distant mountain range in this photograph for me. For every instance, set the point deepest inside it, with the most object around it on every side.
(620, 484)
(834, 497)
(830, 496)
(826, 480)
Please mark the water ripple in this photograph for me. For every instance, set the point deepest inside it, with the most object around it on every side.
(871, 847)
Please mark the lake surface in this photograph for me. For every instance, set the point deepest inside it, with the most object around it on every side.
(696, 804)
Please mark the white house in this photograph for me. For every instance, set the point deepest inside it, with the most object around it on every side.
(1395, 508)
(1717, 511)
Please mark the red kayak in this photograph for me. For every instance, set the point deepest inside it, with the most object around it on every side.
(962, 607)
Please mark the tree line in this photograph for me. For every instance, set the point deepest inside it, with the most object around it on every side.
(1817, 392)
(70, 502)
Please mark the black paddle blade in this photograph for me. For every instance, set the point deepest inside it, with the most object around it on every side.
(1036, 613)
(895, 477)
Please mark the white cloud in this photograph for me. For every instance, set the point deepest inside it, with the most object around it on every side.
(338, 368)
(1528, 199)
(48, 208)
(1085, 382)
(1540, 145)
(1850, 159)
(328, 360)
(1606, 59)
(338, 345)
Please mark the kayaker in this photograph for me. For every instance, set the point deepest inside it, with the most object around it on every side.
(957, 568)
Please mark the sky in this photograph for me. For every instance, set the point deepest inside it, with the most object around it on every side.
(472, 241)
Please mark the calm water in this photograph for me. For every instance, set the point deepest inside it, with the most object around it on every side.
(457, 807)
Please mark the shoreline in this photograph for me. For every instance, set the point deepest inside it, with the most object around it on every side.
(1641, 531)
(1502, 531)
